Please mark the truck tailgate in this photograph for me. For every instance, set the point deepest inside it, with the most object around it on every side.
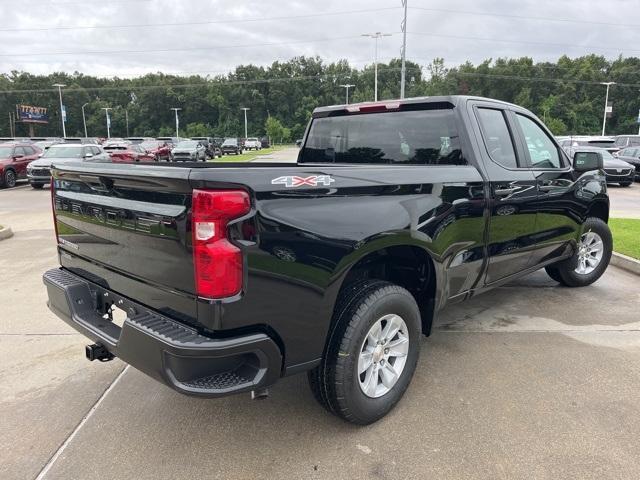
(129, 220)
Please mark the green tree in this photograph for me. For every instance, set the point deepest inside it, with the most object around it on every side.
(274, 129)
(198, 130)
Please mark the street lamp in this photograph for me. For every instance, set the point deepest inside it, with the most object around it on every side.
(84, 120)
(347, 87)
(177, 121)
(106, 112)
(376, 36)
(606, 104)
(62, 112)
(403, 70)
(245, 120)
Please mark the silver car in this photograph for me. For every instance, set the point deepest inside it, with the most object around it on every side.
(189, 151)
(39, 171)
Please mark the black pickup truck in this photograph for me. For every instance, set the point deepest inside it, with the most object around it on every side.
(235, 275)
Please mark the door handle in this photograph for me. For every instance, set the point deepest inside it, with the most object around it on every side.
(505, 191)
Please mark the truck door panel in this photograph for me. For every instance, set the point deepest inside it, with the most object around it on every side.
(512, 195)
(558, 209)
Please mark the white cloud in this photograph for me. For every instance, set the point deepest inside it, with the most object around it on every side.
(205, 47)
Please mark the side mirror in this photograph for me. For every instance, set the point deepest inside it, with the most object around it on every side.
(18, 157)
(88, 155)
(587, 161)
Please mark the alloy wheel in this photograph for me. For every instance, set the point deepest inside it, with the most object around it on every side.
(383, 355)
(590, 252)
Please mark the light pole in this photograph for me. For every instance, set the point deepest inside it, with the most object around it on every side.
(347, 87)
(606, 104)
(106, 112)
(245, 120)
(126, 119)
(62, 112)
(84, 120)
(177, 121)
(376, 36)
(403, 71)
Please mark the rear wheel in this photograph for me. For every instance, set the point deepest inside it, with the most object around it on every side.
(625, 184)
(371, 353)
(591, 258)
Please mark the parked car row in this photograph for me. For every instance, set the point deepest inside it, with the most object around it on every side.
(621, 157)
(31, 158)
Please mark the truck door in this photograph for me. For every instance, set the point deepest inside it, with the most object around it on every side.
(558, 208)
(512, 193)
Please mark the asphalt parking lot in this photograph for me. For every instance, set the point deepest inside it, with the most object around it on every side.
(528, 381)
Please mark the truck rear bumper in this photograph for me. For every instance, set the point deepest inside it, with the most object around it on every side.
(164, 349)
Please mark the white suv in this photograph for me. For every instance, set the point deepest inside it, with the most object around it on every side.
(252, 144)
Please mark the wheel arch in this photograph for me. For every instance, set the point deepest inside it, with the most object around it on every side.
(599, 209)
(407, 265)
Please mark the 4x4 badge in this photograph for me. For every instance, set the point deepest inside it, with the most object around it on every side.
(312, 181)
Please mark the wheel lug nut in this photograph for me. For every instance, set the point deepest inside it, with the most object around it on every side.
(386, 350)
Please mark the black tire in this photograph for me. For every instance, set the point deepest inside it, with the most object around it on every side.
(10, 179)
(37, 186)
(625, 184)
(566, 270)
(552, 271)
(335, 383)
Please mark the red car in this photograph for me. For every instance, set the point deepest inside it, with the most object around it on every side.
(159, 149)
(14, 158)
(122, 152)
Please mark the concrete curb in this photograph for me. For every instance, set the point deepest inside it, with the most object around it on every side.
(5, 232)
(626, 263)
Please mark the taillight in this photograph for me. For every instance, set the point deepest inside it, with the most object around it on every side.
(217, 262)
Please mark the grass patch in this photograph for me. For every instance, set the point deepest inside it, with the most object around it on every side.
(626, 236)
(248, 155)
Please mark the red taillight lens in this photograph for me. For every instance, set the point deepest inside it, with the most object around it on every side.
(217, 262)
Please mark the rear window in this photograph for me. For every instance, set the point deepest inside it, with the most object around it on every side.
(417, 137)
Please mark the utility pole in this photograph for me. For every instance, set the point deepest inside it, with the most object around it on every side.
(245, 120)
(106, 112)
(376, 36)
(62, 112)
(177, 121)
(403, 70)
(347, 87)
(84, 120)
(126, 119)
(606, 105)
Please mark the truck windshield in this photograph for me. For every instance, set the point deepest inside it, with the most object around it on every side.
(416, 137)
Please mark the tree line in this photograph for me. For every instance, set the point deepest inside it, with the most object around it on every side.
(566, 94)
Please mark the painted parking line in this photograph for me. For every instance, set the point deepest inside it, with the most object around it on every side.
(73, 434)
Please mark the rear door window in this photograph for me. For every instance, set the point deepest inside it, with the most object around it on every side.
(414, 137)
(497, 138)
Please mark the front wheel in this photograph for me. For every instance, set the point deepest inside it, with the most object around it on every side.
(591, 258)
(625, 184)
(37, 186)
(10, 178)
(371, 353)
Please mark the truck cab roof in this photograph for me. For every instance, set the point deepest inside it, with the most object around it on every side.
(394, 104)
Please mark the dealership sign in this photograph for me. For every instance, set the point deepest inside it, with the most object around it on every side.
(29, 114)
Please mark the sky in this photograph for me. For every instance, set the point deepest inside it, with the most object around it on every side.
(130, 37)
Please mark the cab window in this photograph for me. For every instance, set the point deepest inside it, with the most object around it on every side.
(543, 152)
(497, 138)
